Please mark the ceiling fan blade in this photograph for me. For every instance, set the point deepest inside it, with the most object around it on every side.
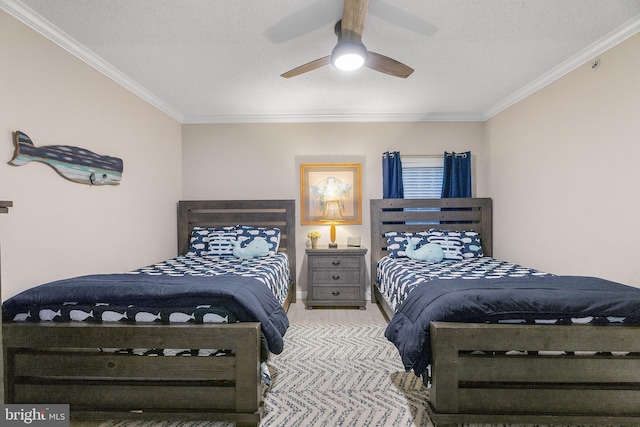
(304, 21)
(386, 65)
(309, 66)
(353, 18)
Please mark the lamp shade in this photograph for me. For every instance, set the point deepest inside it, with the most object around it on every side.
(348, 55)
(332, 211)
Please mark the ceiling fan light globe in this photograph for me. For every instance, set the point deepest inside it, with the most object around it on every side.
(348, 56)
(349, 61)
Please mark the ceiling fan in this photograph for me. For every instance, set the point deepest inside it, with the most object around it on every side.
(350, 53)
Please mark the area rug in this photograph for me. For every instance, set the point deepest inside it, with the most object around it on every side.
(334, 375)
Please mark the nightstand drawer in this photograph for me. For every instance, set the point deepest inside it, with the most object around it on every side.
(335, 276)
(338, 293)
(333, 262)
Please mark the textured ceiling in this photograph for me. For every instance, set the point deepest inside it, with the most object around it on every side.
(211, 61)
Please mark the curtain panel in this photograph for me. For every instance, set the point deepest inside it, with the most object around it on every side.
(392, 176)
(456, 179)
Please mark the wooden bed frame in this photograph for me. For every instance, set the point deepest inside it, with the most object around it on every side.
(59, 362)
(496, 388)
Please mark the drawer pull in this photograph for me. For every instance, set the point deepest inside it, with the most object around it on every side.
(336, 263)
(335, 277)
(111, 364)
(335, 293)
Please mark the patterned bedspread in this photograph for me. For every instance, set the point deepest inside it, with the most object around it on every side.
(398, 276)
(554, 300)
(273, 271)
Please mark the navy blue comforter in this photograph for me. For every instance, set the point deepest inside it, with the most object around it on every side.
(248, 299)
(495, 300)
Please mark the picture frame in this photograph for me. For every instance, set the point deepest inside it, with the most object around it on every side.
(319, 181)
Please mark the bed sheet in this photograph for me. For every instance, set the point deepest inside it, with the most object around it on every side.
(398, 276)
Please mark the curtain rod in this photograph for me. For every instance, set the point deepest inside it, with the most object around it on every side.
(438, 156)
(434, 156)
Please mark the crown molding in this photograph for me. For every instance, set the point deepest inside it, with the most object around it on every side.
(591, 52)
(333, 118)
(36, 22)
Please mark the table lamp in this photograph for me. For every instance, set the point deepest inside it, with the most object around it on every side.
(333, 213)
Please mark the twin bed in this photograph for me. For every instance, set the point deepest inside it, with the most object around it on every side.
(231, 310)
(502, 343)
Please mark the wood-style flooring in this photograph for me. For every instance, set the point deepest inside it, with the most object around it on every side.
(298, 314)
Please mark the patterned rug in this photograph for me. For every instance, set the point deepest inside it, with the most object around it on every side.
(334, 375)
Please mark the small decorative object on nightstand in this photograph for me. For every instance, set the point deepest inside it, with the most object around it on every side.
(336, 277)
(314, 236)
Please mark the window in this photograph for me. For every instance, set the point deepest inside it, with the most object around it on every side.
(422, 177)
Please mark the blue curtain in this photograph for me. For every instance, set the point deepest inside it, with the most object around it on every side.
(392, 176)
(456, 177)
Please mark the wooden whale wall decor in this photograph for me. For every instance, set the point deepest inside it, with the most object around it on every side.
(75, 164)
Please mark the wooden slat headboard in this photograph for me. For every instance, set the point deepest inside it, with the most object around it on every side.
(257, 213)
(422, 214)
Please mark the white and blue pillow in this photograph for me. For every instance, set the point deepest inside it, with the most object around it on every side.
(449, 241)
(470, 241)
(471, 245)
(221, 242)
(397, 242)
(199, 242)
(200, 239)
(247, 234)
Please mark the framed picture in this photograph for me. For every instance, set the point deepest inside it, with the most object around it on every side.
(336, 183)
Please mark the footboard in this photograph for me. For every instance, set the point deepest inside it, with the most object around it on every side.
(540, 387)
(61, 363)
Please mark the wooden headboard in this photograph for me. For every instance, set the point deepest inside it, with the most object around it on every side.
(421, 214)
(257, 213)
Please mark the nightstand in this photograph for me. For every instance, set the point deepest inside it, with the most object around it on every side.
(336, 277)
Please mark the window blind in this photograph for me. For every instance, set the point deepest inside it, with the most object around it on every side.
(422, 177)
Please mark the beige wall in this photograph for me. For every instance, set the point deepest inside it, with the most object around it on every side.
(536, 160)
(563, 172)
(58, 228)
(261, 161)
